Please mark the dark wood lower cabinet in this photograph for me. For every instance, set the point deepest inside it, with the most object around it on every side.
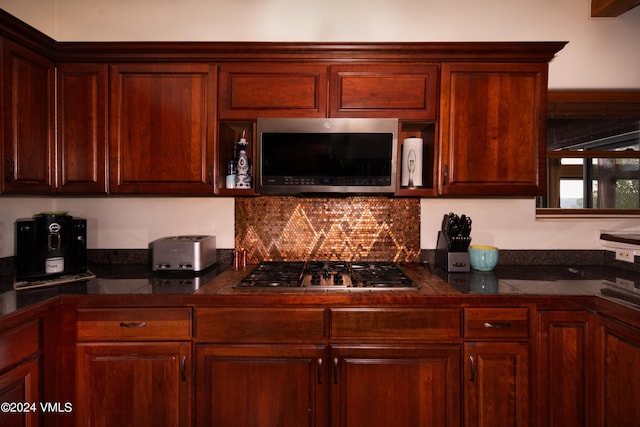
(299, 367)
(565, 378)
(20, 375)
(19, 388)
(311, 385)
(496, 384)
(619, 367)
(399, 386)
(261, 385)
(134, 384)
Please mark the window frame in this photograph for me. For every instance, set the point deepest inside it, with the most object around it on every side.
(582, 104)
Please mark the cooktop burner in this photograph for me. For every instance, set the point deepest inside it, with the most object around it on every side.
(380, 275)
(327, 275)
(274, 274)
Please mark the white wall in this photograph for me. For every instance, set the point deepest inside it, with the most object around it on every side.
(512, 224)
(602, 53)
(127, 223)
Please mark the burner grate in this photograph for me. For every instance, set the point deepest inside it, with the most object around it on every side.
(327, 275)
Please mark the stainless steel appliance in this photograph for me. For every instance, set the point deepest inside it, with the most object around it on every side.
(315, 155)
(183, 253)
(327, 275)
(50, 244)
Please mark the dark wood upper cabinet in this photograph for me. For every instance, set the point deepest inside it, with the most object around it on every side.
(272, 90)
(492, 129)
(162, 128)
(173, 110)
(405, 91)
(82, 128)
(27, 121)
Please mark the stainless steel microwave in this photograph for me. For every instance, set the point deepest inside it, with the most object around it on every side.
(316, 155)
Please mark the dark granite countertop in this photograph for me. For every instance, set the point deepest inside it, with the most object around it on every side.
(137, 279)
(111, 279)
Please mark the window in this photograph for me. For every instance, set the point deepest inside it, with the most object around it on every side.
(593, 157)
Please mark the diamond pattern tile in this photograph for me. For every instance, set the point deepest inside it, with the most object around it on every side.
(285, 228)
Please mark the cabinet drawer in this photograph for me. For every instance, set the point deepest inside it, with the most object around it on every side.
(395, 324)
(119, 324)
(19, 343)
(252, 325)
(502, 323)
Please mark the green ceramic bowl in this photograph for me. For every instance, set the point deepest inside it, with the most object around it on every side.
(483, 258)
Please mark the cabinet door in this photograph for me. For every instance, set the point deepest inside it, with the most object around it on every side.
(400, 386)
(492, 129)
(266, 386)
(496, 384)
(619, 365)
(82, 128)
(133, 384)
(405, 91)
(564, 376)
(27, 121)
(162, 128)
(248, 91)
(20, 386)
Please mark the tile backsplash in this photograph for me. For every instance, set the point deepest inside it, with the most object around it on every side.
(286, 228)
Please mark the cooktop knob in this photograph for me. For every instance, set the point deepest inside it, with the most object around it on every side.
(315, 279)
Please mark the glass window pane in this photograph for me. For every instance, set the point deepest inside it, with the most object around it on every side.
(627, 194)
(571, 194)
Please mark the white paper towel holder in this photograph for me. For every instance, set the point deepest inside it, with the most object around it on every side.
(411, 176)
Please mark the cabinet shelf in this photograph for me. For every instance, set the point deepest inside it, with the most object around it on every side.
(230, 192)
(230, 132)
(426, 131)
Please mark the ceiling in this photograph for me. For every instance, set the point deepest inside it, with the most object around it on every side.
(611, 8)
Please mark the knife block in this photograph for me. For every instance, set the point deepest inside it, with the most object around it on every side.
(448, 260)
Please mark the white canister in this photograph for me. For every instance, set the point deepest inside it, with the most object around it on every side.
(411, 175)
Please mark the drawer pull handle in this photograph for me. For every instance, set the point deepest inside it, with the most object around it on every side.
(497, 325)
(320, 370)
(133, 325)
(335, 370)
(472, 377)
(183, 368)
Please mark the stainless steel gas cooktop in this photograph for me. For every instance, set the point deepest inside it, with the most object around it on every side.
(326, 275)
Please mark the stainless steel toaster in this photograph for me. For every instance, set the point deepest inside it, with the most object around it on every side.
(183, 253)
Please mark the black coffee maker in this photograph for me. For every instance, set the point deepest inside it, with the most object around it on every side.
(50, 244)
